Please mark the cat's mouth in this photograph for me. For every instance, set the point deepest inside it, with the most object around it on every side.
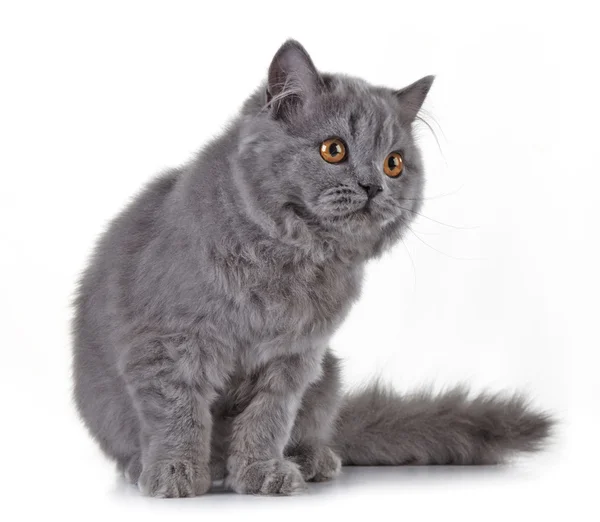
(367, 208)
(344, 215)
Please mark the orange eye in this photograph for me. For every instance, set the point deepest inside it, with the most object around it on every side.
(333, 150)
(393, 165)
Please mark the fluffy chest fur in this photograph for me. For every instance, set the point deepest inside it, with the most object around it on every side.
(260, 298)
(294, 306)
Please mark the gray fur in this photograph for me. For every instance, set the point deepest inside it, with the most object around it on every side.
(203, 319)
(377, 426)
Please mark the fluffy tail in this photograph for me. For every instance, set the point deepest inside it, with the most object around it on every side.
(380, 427)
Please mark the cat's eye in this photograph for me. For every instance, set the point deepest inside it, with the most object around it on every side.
(333, 150)
(393, 165)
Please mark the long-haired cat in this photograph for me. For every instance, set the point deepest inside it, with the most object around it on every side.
(203, 320)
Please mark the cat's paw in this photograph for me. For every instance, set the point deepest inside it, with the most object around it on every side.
(317, 464)
(174, 479)
(269, 477)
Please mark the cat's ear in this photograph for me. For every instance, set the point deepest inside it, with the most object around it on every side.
(293, 78)
(411, 98)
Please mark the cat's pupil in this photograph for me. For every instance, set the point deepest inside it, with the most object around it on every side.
(334, 149)
(392, 162)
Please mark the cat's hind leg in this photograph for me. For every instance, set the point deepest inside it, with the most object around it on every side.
(131, 468)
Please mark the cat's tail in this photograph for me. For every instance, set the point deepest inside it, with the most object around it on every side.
(377, 426)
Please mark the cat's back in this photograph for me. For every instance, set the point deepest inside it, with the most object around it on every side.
(99, 392)
(116, 252)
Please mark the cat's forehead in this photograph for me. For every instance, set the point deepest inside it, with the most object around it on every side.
(348, 96)
(356, 111)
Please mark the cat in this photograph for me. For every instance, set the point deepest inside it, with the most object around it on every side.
(202, 322)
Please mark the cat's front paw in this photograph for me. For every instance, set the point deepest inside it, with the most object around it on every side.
(317, 464)
(269, 477)
(174, 479)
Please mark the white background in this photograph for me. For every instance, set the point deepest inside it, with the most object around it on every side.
(497, 287)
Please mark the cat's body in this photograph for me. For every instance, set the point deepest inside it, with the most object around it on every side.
(203, 321)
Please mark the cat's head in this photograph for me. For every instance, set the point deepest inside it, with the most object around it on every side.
(331, 154)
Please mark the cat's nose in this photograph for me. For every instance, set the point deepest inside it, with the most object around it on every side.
(372, 189)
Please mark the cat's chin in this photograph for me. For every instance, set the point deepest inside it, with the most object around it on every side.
(369, 216)
(362, 224)
(360, 227)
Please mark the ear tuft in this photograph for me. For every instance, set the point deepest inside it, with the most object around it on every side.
(292, 78)
(411, 98)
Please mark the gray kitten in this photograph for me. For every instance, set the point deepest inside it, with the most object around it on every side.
(203, 320)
